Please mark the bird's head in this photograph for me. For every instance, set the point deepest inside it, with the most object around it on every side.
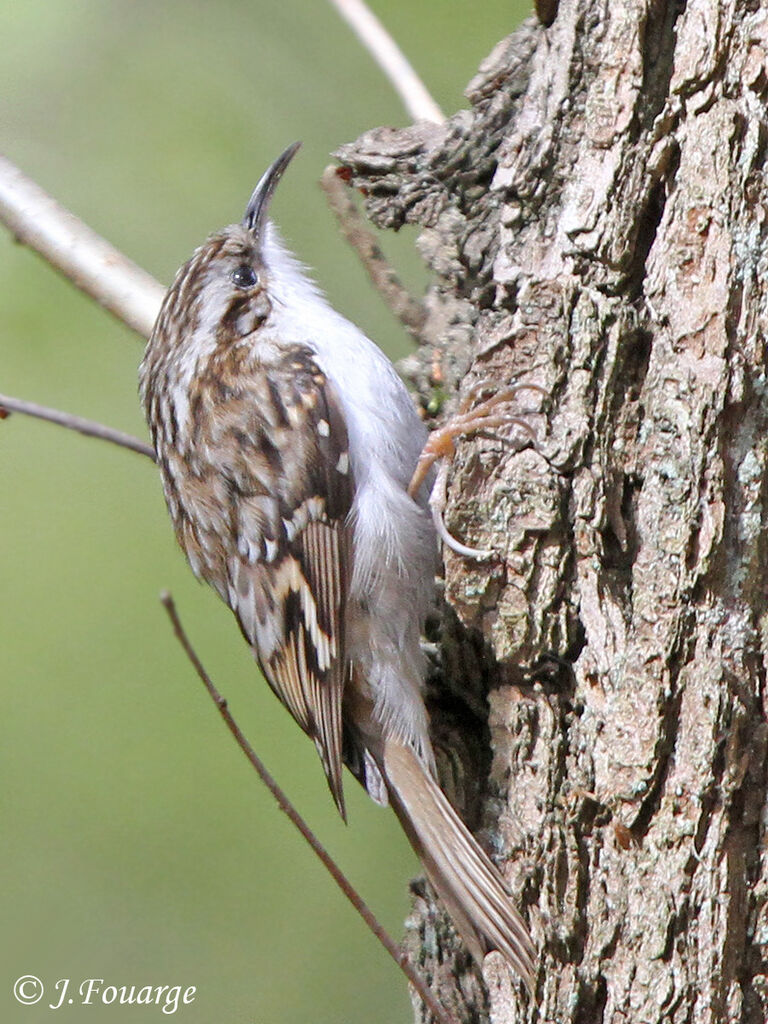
(222, 293)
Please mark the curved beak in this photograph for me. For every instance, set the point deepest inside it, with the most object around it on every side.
(255, 218)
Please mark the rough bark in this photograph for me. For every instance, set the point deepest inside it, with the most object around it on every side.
(596, 224)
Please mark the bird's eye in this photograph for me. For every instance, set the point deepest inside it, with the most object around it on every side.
(244, 276)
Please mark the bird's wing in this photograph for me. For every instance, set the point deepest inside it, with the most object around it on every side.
(291, 492)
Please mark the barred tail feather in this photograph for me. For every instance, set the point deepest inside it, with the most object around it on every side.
(469, 884)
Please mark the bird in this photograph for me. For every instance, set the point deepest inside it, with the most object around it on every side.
(287, 446)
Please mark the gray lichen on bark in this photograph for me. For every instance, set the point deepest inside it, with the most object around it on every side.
(596, 224)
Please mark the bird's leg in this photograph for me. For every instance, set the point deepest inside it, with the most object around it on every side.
(440, 447)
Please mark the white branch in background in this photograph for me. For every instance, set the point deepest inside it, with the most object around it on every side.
(391, 59)
(82, 256)
(104, 273)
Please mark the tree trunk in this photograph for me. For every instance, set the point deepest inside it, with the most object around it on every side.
(596, 226)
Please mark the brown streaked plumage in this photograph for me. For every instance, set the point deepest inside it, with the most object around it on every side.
(286, 444)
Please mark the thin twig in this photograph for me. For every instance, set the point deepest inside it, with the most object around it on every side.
(82, 256)
(90, 428)
(408, 310)
(391, 59)
(287, 807)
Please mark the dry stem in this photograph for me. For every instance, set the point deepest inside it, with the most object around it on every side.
(391, 59)
(408, 310)
(82, 256)
(90, 428)
(296, 819)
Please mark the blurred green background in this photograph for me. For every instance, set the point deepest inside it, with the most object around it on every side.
(137, 844)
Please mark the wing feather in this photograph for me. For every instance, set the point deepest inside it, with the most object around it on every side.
(288, 583)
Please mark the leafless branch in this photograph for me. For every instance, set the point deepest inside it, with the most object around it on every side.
(391, 59)
(408, 310)
(82, 256)
(287, 807)
(90, 428)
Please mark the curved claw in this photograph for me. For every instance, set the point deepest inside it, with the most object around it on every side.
(448, 539)
(506, 395)
(437, 500)
(440, 447)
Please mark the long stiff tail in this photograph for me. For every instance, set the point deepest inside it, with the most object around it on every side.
(469, 884)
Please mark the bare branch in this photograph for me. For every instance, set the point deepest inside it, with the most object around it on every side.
(90, 428)
(408, 310)
(287, 807)
(82, 256)
(391, 59)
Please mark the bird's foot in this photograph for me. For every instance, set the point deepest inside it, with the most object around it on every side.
(440, 448)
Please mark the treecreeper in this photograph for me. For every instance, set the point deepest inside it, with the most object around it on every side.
(287, 445)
